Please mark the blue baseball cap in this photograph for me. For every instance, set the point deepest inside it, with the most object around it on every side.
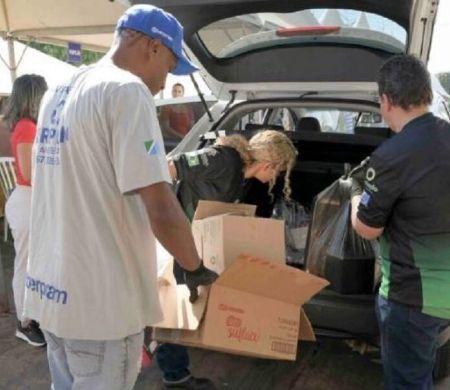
(156, 23)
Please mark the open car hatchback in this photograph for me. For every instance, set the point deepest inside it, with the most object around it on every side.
(308, 69)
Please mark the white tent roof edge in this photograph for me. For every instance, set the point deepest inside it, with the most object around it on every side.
(64, 42)
(71, 30)
(55, 21)
(19, 59)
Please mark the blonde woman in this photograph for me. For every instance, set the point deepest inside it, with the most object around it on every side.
(218, 173)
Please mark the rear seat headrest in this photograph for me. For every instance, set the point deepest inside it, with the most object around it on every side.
(308, 123)
(257, 126)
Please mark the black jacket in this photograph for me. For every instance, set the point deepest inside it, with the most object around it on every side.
(213, 173)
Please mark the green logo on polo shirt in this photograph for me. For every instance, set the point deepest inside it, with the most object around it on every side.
(151, 147)
(192, 159)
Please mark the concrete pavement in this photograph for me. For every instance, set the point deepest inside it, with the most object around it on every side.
(326, 365)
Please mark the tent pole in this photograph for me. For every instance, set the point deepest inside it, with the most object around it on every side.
(12, 58)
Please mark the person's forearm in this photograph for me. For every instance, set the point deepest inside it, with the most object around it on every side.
(174, 232)
(172, 170)
(174, 132)
(170, 131)
(170, 225)
(354, 212)
(365, 231)
(24, 152)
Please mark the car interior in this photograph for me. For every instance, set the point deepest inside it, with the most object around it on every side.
(331, 138)
(249, 50)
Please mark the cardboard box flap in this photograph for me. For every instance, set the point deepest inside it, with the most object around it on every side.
(207, 208)
(166, 276)
(178, 312)
(305, 332)
(271, 280)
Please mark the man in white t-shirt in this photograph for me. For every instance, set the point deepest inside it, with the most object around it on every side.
(101, 196)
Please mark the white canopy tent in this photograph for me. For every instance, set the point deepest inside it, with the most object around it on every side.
(89, 22)
(30, 60)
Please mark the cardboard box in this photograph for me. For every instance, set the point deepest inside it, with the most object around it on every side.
(223, 231)
(254, 309)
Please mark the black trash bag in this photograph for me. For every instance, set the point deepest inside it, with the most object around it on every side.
(334, 250)
(297, 221)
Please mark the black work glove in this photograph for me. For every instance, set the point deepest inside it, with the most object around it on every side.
(358, 175)
(202, 276)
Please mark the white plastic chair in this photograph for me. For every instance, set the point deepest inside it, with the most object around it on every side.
(7, 183)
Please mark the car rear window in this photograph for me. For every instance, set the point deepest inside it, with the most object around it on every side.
(233, 36)
(311, 120)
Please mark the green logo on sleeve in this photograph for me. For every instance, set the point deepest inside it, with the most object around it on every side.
(151, 147)
(192, 160)
(148, 145)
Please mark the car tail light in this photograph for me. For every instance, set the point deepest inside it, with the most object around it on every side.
(309, 30)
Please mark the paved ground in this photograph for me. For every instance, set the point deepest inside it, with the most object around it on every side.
(328, 364)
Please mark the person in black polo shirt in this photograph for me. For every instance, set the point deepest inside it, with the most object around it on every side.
(406, 202)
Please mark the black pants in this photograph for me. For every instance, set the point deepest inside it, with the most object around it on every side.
(173, 360)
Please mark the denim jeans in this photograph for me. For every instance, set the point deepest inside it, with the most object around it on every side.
(173, 360)
(409, 341)
(93, 364)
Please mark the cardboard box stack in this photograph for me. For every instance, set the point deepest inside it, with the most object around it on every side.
(254, 307)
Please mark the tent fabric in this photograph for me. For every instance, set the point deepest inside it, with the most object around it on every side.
(89, 22)
(33, 61)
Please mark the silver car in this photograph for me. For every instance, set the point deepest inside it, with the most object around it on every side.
(308, 69)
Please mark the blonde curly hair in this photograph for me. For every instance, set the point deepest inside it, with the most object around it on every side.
(240, 143)
(275, 147)
(267, 145)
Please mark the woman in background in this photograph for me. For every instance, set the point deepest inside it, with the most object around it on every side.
(20, 114)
